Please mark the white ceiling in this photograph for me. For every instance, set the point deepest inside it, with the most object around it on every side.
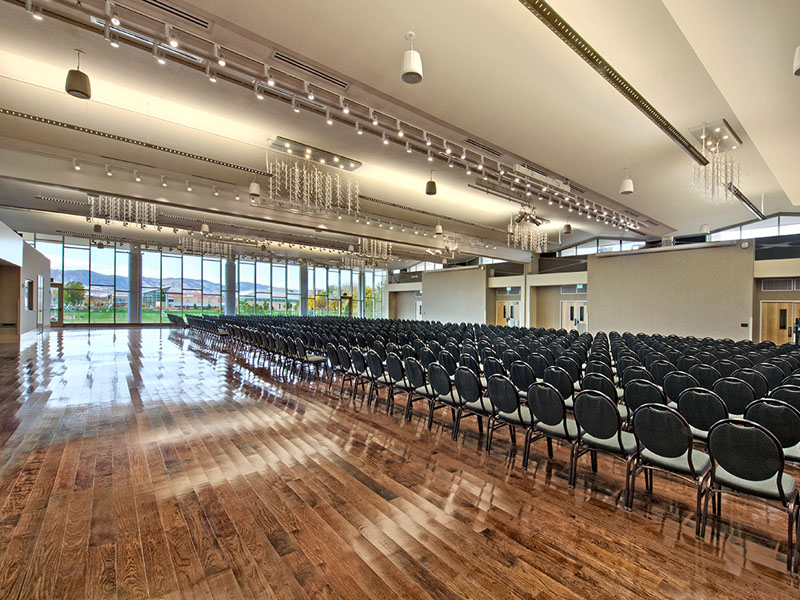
(497, 75)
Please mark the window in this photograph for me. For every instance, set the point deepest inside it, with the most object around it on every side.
(725, 235)
(211, 289)
(278, 288)
(101, 281)
(263, 287)
(53, 251)
(76, 282)
(152, 294)
(192, 285)
(333, 292)
(320, 291)
(586, 248)
(789, 225)
(608, 246)
(245, 303)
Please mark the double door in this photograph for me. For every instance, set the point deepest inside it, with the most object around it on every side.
(777, 320)
(508, 313)
(574, 315)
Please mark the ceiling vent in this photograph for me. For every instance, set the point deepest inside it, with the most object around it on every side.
(177, 12)
(310, 69)
(483, 147)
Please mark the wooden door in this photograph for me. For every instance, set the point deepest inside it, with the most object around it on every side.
(776, 321)
(502, 315)
(574, 315)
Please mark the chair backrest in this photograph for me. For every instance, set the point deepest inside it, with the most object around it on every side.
(468, 385)
(333, 356)
(725, 367)
(663, 431)
(787, 393)
(509, 356)
(395, 367)
(375, 364)
(597, 415)
(547, 406)
(756, 380)
(439, 379)
(522, 375)
(598, 366)
(687, 362)
(538, 363)
(344, 358)
(407, 351)
(493, 366)
(448, 362)
(639, 392)
(467, 360)
(701, 408)
(677, 381)
(600, 383)
(570, 366)
(736, 394)
(779, 417)
(773, 374)
(380, 348)
(502, 394)
(357, 358)
(426, 356)
(635, 372)
(415, 372)
(705, 374)
(793, 379)
(660, 369)
(747, 450)
(559, 379)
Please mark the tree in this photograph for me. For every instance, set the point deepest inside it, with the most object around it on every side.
(74, 292)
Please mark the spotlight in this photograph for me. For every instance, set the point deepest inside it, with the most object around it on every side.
(447, 148)
(345, 108)
(188, 186)
(411, 69)
(328, 119)
(408, 147)
(34, 9)
(236, 195)
(295, 105)
(428, 141)
(75, 164)
(257, 91)
(450, 162)
(77, 83)
(163, 181)
(218, 55)
(158, 54)
(136, 177)
(385, 138)
(463, 154)
(374, 117)
(430, 156)
(115, 18)
(359, 131)
(214, 190)
(108, 171)
(211, 74)
(268, 77)
(113, 39)
(172, 39)
(204, 229)
(309, 92)
(469, 170)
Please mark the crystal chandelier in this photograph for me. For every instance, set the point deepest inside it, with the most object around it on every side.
(123, 209)
(375, 249)
(524, 232)
(312, 189)
(714, 180)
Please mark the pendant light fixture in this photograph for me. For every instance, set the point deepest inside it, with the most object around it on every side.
(430, 187)
(796, 63)
(627, 184)
(411, 71)
(77, 83)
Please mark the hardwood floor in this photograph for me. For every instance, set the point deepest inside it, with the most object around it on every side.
(141, 463)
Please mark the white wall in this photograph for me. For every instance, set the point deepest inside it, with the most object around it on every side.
(20, 263)
(701, 292)
(34, 264)
(455, 295)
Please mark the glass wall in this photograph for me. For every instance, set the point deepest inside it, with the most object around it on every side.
(597, 246)
(96, 282)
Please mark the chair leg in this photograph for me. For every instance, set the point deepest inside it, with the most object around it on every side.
(698, 514)
(489, 434)
(593, 455)
(480, 425)
(407, 412)
(631, 488)
(573, 463)
(526, 447)
(709, 492)
(549, 448)
(456, 422)
(790, 540)
(431, 408)
(513, 434)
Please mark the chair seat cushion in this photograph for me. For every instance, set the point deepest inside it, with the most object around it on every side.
(611, 444)
(679, 464)
(569, 403)
(699, 434)
(792, 454)
(480, 406)
(384, 379)
(620, 394)
(767, 488)
(623, 411)
(423, 391)
(313, 358)
(557, 430)
(518, 417)
(576, 386)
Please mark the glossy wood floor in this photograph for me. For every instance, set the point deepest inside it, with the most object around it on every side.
(141, 463)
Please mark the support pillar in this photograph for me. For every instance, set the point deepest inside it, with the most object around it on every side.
(303, 290)
(230, 286)
(135, 284)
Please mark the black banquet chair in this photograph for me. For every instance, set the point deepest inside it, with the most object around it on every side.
(550, 419)
(665, 444)
(506, 409)
(746, 459)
